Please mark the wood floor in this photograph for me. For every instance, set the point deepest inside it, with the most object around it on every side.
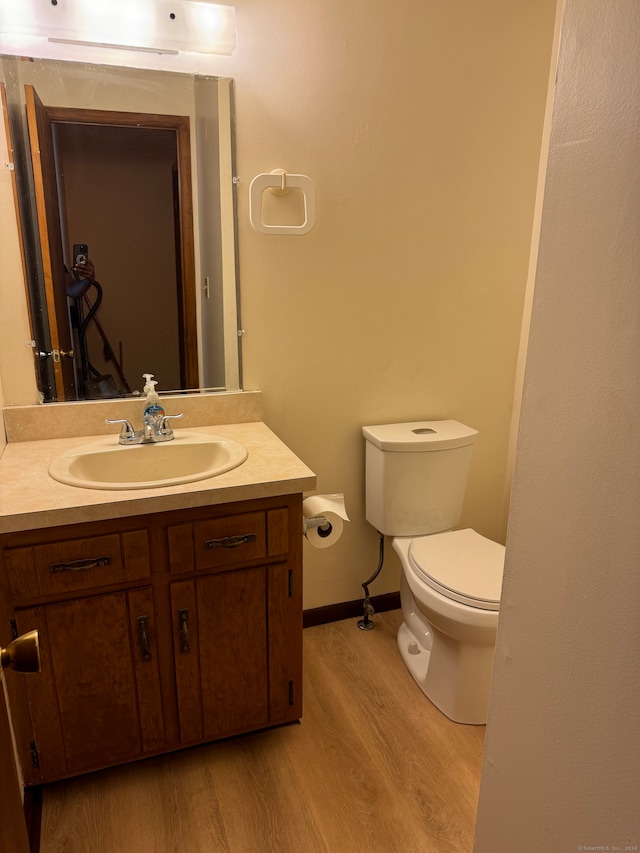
(372, 766)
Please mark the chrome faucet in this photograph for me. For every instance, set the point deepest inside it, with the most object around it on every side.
(154, 429)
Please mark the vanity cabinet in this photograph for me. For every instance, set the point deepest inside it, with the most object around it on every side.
(156, 632)
(237, 621)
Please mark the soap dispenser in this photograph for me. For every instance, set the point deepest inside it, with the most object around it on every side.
(153, 413)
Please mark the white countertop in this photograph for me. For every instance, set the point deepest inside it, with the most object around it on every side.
(30, 498)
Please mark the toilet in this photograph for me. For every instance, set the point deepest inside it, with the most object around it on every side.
(416, 476)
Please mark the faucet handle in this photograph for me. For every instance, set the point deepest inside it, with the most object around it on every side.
(164, 429)
(127, 432)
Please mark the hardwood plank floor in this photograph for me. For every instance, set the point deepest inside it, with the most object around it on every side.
(372, 766)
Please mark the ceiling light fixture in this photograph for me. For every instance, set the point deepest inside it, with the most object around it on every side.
(159, 26)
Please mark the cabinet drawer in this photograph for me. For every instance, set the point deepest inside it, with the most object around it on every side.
(78, 564)
(217, 542)
(232, 539)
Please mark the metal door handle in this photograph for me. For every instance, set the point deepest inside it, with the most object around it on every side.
(56, 354)
(22, 654)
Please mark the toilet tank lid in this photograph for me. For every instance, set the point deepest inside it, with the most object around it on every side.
(419, 436)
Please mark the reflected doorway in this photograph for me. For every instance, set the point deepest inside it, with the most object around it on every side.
(123, 188)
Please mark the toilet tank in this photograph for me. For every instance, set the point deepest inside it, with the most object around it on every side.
(416, 475)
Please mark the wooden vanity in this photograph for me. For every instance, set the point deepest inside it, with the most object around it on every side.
(160, 628)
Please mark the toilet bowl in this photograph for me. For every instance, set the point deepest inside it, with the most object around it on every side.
(416, 476)
(450, 594)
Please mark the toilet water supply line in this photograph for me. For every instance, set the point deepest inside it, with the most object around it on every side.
(324, 528)
(365, 624)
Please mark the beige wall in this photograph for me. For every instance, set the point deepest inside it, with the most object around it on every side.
(16, 357)
(3, 437)
(561, 768)
(420, 124)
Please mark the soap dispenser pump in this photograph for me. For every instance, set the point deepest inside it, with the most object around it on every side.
(153, 412)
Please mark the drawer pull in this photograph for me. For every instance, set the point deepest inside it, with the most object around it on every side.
(143, 637)
(183, 629)
(80, 565)
(230, 541)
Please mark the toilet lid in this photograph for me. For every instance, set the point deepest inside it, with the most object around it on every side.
(461, 565)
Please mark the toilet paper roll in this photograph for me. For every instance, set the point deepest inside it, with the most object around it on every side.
(333, 509)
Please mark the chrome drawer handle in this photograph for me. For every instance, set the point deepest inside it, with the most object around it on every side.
(79, 565)
(230, 541)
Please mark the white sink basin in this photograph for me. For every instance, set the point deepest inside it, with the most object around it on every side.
(105, 464)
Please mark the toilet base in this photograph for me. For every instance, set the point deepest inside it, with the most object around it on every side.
(414, 655)
(454, 676)
(447, 690)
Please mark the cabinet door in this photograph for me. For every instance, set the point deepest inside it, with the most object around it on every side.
(285, 643)
(220, 646)
(97, 699)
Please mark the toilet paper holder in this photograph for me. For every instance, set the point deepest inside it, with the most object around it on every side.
(323, 518)
(319, 521)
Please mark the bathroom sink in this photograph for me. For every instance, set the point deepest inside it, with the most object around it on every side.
(105, 464)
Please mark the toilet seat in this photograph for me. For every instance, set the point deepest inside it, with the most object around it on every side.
(461, 565)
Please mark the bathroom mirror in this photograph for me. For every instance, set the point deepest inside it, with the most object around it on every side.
(137, 166)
